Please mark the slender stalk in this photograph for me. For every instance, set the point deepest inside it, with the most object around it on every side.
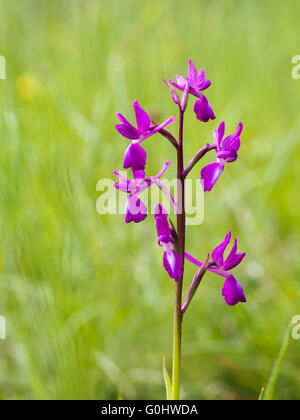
(177, 320)
(166, 134)
(169, 137)
(195, 284)
(199, 155)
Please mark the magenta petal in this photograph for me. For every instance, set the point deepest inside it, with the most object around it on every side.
(162, 225)
(126, 186)
(210, 174)
(138, 174)
(160, 211)
(239, 129)
(219, 134)
(221, 129)
(142, 118)
(234, 261)
(218, 253)
(173, 264)
(176, 85)
(233, 142)
(124, 121)
(204, 85)
(136, 211)
(233, 258)
(227, 155)
(157, 128)
(203, 110)
(180, 81)
(192, 75)
(233, 291)
(128, 132)
(135, 157)
(201, 76)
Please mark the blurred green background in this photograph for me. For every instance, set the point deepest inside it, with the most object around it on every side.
(87, 303)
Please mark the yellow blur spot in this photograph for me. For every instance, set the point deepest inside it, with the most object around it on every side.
(28, 87)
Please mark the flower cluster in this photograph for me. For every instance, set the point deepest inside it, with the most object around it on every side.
(135, 159)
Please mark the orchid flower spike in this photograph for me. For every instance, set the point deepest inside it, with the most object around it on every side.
(226, 152)
(172, 261)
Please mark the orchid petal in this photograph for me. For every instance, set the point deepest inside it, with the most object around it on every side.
(192, 75)
(233, 142)
(233, 291)
(173, 264)
(210, 174)
(221, 130)
(180, 81)
(128, 132)
(162, 224)
(203, 110)
(205, 84)
(236, 260)
(202, 83)
(157, 129)
(218, 253)
(176, 85)
(136, 211)
(135, 157)
(227, 155)
(142, 118)
(233, 258)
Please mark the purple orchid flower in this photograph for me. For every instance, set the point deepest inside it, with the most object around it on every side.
(135, 155)
(172, 262)
(232, 290)
(136, 211)
(226, 152)
(197, 84)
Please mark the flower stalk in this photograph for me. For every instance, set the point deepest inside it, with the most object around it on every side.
(178, 316)
(172, 239)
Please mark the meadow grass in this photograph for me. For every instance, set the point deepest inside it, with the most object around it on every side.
(87, 303)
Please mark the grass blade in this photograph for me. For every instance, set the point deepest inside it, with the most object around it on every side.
(270, 388)
(167, 380)
(261, 395)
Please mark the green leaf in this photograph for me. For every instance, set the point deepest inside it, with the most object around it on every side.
(270, 388)
(167, 380)
(261, 395)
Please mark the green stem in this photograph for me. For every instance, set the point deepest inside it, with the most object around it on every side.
(177, 320)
